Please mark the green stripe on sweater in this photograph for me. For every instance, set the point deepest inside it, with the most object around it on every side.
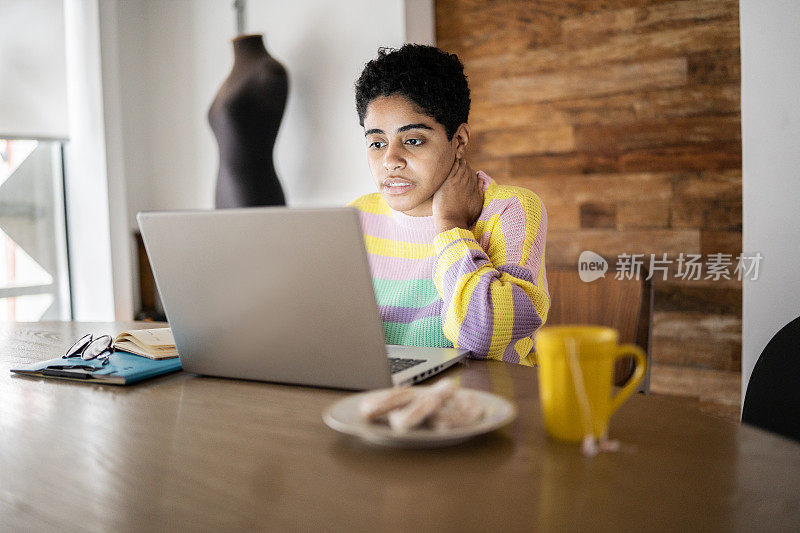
(422, 332)
(414, 293)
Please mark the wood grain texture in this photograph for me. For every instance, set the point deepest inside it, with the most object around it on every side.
(698, 339)
(618, 49)
(524, 140)
(643, 214)
(648, 133)
(564, 247)
(625, 305)
(677, 102)
(596, 25)
(677, 158)
(598, 215)
(714, 299)
(714, 392)
(616, 302)
(632, 115)
(584, 82)
(187, 452)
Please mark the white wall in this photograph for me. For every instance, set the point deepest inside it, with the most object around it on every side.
(33, 101)
(420, 16)
(770, 42)
(319, 153)
(122, 242)
(141, 77)
(163, 62)
(173, 57)
(86, 189)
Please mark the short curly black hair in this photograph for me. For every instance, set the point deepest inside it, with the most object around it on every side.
(429, 77)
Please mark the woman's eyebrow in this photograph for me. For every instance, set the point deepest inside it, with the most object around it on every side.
(418, 126)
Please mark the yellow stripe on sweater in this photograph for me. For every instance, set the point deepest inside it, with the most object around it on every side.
(537, 295)
(542, 304)
(483, 226)
(372, 203)
(497, 246)
(462, 292)
(524, 348)
(451, 254)
(540, 277)
(392, 248)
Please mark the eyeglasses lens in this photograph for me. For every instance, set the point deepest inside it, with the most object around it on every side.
(100, 348)
(79, 346)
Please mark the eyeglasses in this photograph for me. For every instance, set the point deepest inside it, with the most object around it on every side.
(88, 348)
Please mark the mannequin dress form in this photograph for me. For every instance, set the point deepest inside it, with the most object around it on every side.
(245, 117)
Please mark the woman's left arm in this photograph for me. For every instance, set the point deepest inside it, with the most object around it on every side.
(495, 299)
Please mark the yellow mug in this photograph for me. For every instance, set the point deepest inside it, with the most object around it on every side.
(576, 377)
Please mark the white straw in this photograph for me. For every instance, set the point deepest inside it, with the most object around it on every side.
(589, 446)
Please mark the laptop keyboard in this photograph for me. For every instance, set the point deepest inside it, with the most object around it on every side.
(397, 364)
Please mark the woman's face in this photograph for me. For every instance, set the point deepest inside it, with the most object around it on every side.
(408, 154)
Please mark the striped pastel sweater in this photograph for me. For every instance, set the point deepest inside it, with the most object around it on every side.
(482, 289)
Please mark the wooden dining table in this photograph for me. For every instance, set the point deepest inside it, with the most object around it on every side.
(189, 452)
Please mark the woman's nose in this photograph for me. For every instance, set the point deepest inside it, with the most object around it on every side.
(392, 159)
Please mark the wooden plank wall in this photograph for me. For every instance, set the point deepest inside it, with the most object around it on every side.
(624, 116)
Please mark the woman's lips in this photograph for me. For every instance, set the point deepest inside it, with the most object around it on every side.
(395, 186)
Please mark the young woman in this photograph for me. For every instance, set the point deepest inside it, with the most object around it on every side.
(456, 259)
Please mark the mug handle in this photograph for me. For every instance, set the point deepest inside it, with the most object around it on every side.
(640, 361)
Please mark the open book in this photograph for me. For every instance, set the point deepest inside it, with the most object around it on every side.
(153, 343)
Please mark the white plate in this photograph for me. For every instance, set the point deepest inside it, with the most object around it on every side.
(343, 416)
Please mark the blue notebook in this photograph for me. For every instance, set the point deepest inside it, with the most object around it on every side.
(123, 368)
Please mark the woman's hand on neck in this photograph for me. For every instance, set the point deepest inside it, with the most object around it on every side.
(459, 201)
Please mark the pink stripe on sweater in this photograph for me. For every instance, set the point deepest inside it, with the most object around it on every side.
(401, 268)
(495, 207)
(535, 257)
(384, 227)
(514, 223)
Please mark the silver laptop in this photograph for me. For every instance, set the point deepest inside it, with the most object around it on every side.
(278, 294)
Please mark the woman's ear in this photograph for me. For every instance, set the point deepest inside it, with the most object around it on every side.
(461, 140)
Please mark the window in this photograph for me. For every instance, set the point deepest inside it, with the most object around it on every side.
(34, 277)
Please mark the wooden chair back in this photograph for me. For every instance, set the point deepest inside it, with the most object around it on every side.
(625, 305)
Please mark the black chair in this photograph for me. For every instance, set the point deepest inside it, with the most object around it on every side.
(772, 400)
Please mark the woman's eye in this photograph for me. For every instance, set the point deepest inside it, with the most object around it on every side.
(415, 142)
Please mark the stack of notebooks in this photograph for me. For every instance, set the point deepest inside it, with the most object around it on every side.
(138, 354)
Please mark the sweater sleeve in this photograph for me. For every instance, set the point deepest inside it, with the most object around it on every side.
(495, 299)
